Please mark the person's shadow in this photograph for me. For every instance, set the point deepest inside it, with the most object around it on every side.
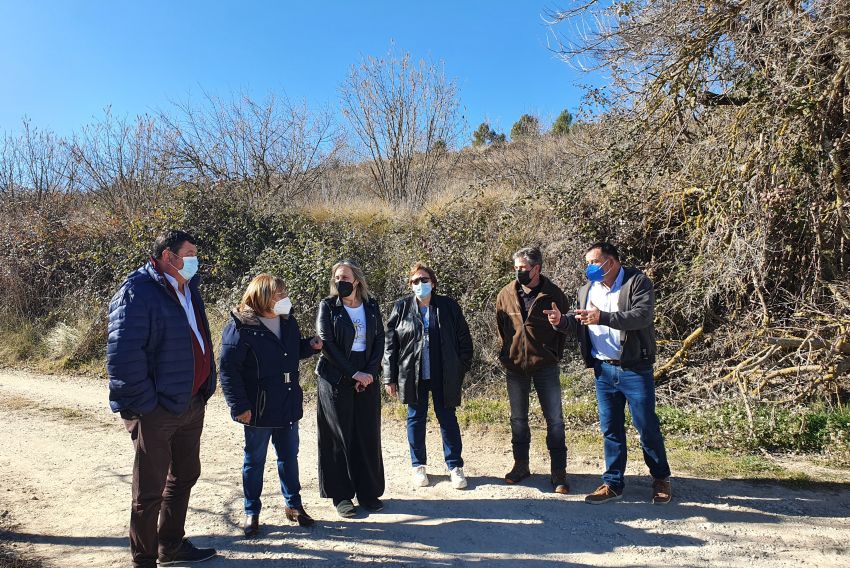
(532, 532)
(470, 527)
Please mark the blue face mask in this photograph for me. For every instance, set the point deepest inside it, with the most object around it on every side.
(596, 272)
(190, 267)
(422, 290)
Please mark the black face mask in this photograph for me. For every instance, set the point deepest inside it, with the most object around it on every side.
(344, 288)
(523, 277)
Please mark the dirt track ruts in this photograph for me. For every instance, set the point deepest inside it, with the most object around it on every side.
(65, 463)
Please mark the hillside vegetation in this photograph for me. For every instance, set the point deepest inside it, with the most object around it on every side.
(717, 160)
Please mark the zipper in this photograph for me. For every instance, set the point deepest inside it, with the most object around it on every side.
(191, 345)
(255, 419)
(350, 347)
(419, 336)
(419, 330)
(343, 315)
(522, 332)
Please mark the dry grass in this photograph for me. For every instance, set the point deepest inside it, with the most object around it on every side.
(15, 403)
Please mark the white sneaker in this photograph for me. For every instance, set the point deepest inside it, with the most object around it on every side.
(420, 478)
(458, 478)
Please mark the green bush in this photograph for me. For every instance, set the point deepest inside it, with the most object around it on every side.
(817, 429)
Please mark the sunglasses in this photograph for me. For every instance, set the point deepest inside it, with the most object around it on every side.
(424, 279)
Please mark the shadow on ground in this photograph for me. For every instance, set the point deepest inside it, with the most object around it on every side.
(507, 532)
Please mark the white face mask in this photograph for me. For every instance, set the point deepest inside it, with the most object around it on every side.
(282, 307)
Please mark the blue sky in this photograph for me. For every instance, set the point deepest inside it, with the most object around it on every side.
(63, 62)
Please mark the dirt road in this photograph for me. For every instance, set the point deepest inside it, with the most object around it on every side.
(65, 464)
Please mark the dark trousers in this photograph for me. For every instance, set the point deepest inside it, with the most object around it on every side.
(614, 387)
(166, 467)
(285, 441)
(547, 383)
(417, 417)
(349, 434)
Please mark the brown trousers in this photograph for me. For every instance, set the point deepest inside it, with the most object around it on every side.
(166, 467)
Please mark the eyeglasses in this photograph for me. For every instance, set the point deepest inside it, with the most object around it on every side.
(424, 279)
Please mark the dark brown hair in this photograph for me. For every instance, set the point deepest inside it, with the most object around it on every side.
(417, 266)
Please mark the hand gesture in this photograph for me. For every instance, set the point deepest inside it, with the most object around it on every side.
(245, 417)
(554, 315)
(316, 343)
(588, 317)
(362, 380)
(392, 389)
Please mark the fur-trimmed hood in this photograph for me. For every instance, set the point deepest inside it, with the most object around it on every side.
(247, 316)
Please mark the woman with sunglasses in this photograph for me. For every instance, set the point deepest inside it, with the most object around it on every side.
(428, 351)
(349, 410)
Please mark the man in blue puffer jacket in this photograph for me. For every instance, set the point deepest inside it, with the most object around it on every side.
(161, 374)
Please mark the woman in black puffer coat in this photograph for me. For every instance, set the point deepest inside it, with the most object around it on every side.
(260, 349)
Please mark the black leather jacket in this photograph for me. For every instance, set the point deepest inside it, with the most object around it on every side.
(337, 332)
(404, 344)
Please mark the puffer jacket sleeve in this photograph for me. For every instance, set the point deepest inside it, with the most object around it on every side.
(330, 348)
(234, 351)
(305, 350)
(131, 387)
(390, 361)
(373, 365)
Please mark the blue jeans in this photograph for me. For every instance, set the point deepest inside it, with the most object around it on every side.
(285, 441)
(547, 383)
(614, 387)
(417, 416)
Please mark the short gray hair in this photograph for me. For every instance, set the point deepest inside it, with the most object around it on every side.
(531, 254)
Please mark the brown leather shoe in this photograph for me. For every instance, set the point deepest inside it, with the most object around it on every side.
(252, 525)
(300, 516)
(603, 494)
(519, 472)
(559, 481)
(662, 491)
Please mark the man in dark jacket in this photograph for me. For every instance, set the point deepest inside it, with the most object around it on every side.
(616, 337)
(161, 374)
(531, 350)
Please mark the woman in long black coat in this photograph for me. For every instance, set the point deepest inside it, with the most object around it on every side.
(349, 411)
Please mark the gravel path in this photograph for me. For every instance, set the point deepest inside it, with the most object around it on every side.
(65, 464)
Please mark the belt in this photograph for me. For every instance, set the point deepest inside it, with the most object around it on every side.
(615, 362)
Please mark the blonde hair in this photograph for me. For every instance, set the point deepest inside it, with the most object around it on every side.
(361, 291)
(258, 296)
(416, 267)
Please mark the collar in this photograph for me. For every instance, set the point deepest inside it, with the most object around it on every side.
(618, 282)
(174, 284)
(536, 290)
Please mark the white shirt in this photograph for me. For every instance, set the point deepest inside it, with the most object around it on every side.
(186, 302)
(358, 318)
(605, 341)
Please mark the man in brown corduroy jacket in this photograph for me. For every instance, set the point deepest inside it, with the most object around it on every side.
(530, 352)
